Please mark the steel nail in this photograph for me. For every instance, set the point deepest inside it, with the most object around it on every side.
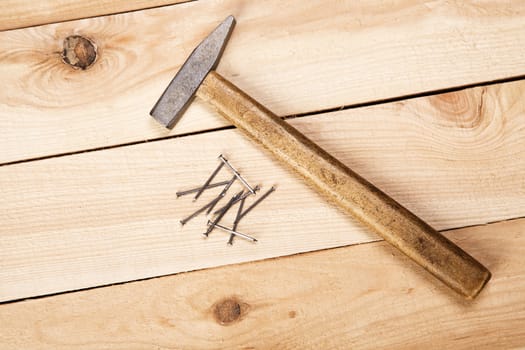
(196, 189)
(212, 176)
(220, 216)
(236, 221)
(222, 194)
(211, 204)
(225, 161)
(259, 200)
(235, 233)
(197, 212)
(244, 196)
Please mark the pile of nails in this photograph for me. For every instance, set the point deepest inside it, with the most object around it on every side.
(238, 198)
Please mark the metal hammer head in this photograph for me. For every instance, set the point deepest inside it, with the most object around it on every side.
(180, 91)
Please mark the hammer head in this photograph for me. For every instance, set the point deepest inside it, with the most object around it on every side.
(180, 92)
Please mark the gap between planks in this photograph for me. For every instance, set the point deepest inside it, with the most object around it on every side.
(104, 217)
(301, 58)
(44, 296)
(260, 261)
(287, 117)
(365, 297)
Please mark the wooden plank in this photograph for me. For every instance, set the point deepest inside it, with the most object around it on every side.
(360, 297)
(297, 58)
(24, 13)
(111, 216)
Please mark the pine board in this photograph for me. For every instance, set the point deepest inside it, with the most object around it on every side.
(360, 297)
(27, 13)
(299, 58)
(111, 216)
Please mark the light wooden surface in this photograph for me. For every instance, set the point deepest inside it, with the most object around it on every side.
(111, 216)
(299, 58)
(93, 218)
(27, 13)
(337, 299)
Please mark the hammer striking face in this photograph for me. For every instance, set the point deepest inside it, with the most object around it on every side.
(335, 181)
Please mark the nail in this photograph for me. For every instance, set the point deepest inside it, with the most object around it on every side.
(222, 194)
(197, 212)
(259, 200)
(235, 233)
(257, 188)
(221, 214)
(236, 221)
(193, 190)
(225, 161)
(208, 181)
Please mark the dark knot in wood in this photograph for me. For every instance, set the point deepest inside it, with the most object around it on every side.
(229, 310)
(79, 52)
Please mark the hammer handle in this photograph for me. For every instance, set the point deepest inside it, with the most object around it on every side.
(346, 189)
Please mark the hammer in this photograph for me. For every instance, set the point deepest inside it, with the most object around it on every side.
(335, 181)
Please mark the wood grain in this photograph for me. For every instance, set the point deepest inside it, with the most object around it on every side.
(26, 13)
(360, 297)
(345, 189)
(111, 216)
(297, 58)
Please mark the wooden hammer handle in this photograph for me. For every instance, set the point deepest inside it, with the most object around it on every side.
(346, 189)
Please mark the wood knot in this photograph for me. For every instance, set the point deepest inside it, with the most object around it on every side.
(229, 311)
(461, 109)
(79, 52)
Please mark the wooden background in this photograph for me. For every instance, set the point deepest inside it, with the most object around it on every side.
(423, 98)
